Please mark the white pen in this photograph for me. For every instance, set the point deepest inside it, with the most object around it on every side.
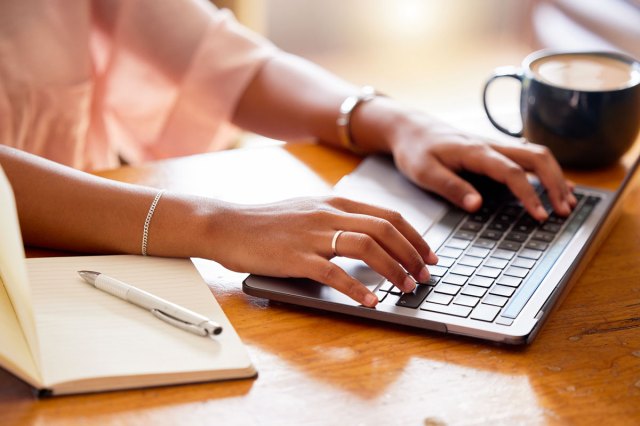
(169, 312)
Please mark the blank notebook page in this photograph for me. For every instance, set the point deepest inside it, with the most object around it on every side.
(86, 333)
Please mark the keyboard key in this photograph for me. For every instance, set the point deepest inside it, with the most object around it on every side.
(536, 245)
(509, 245)
(478, 252)
(504, 218)
(503, 254)
(525, 225)
(491, 234)
(499, 226)
(432, 281)
(551, 227)
(502, 290)
(457, 243)
(467, 271)
(495, 300)
(415, 298)
(472, 226)
(485, 313)
(470, 261)
(481, 281)
(449, 252)
(504, 321)
(486, 271)
(518, 237)
(381, 295)
(456, 310)
(447, 289)
(481, 216)
(455, 279)
(436, 270)
(442, 299)
(530, 254)
(554, 218)
(465, 235)
(509, 281)
(514, 271)
(484, 243)
(472, 290)
(511, 211)
(390, 288)
(523, 262)
(547, 237)
(494, 262)
(387, 286)
(525, 229)
(466, 300)
(445, 262)
(391, 299)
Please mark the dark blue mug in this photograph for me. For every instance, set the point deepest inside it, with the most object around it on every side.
(584, 106)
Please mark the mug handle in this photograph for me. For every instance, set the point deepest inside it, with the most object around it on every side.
(511, 72)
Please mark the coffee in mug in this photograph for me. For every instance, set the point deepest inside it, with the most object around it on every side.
(584, 106)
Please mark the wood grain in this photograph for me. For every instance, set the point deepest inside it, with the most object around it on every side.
(322, 368)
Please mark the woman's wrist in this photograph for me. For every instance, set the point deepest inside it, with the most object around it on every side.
(184, 226)
(374, 125)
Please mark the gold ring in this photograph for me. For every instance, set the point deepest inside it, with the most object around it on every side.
(334, 241)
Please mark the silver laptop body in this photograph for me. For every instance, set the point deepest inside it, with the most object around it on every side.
(461, 299)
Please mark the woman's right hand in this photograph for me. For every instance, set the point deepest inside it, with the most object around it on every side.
(293, 238)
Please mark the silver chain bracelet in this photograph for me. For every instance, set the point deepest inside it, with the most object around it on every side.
(147, 221)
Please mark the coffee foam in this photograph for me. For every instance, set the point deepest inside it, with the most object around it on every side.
(586, 72)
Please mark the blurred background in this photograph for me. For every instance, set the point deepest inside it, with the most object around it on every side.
(436, 54)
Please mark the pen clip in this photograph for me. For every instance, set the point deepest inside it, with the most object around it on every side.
(192, 328)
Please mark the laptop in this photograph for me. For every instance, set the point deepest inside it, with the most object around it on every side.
(500, 272)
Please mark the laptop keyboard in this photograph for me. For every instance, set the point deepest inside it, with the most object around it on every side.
(494, 260)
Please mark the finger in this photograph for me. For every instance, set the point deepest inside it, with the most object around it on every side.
(539, 160)
(391, 241)
(395, 219)
(441, 180)
(363, 247)
(330, 274)
(572, 198)
(502, 169)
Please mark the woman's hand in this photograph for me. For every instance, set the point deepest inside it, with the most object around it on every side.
(293, 238)
(430, 153)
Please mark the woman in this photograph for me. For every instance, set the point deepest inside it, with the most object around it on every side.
(139, 80)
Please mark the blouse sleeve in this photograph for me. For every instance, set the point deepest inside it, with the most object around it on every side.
(169, 75)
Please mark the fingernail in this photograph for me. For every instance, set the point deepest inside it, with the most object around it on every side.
(424, 275)
(409, 285)
(432, 259)
(572, 199)
(471, 201)
(370, 300)
(566, 207)
(541, 213)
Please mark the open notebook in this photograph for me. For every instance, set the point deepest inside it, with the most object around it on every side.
(61, 335)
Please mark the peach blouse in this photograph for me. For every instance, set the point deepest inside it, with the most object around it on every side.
(86, 82)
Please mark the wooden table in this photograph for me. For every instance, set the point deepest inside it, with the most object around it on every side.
(321, 368)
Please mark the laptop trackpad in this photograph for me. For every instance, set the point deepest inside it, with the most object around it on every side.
(360, 271)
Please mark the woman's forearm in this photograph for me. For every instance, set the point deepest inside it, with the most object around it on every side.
(66, 209)
(291, 98)
(62, 208)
